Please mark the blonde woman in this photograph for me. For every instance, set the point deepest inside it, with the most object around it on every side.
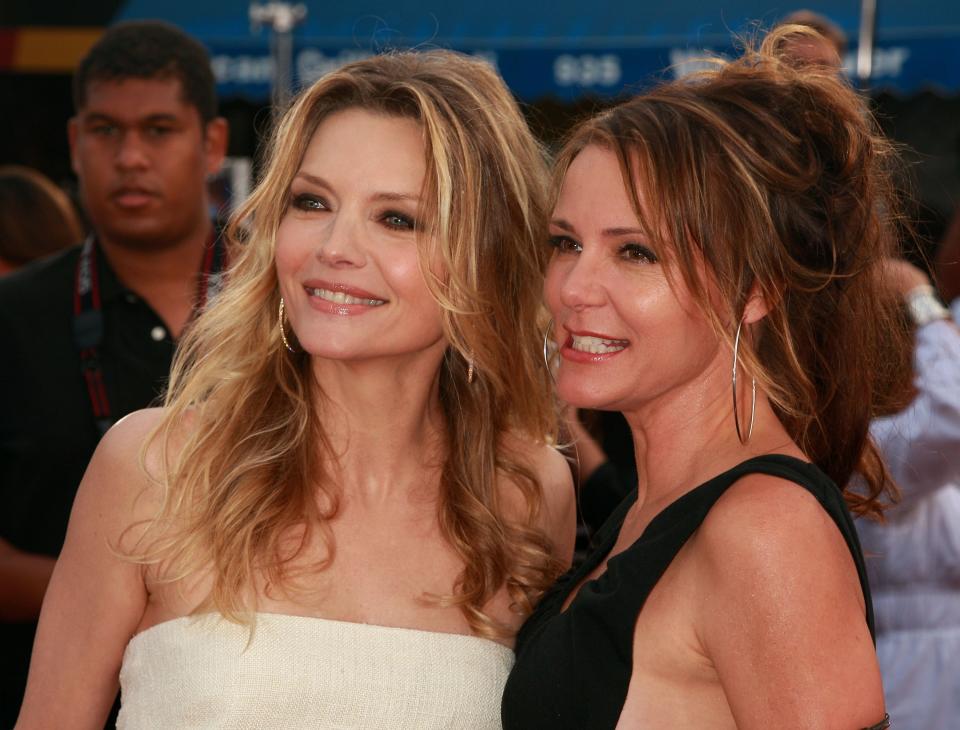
(346, 506)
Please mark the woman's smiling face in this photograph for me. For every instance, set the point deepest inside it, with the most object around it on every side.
(626, 335)
(347, 247)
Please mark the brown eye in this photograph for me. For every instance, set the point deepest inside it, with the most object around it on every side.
(639, 253)
(564, 244)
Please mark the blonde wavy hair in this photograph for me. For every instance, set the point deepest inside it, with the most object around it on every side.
(778, 178)
(248, 473)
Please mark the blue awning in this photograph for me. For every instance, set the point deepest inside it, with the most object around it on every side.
(571, 50)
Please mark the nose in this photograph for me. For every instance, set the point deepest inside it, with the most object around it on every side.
(341, 241)
(131, 152)
(578, 282)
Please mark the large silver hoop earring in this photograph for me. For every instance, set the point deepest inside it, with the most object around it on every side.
(546, 348)
(753, 388)
(283, 335)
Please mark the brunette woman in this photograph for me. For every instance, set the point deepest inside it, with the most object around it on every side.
(716, 278)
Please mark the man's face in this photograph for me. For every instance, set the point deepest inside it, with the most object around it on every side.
(806, 51)
(142, 156)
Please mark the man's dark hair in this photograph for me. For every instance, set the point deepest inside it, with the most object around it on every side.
(147, 50)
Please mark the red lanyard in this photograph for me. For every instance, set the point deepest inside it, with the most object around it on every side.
(88, 317)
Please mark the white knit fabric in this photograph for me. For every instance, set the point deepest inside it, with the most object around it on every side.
(301, 672)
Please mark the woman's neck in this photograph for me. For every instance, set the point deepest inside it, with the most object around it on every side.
(688, 436)
(384, 422)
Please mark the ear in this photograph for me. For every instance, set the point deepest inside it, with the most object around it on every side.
(757, 306)
(72, 141)
(215, 138)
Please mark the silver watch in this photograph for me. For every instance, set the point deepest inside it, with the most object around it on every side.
(923, 305)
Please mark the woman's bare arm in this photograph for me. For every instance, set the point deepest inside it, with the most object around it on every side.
(96, 598)
(784, 624)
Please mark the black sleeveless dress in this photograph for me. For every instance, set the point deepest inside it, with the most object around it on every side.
(573, 668)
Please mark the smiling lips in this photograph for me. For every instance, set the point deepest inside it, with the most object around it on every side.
(341, 299)
(584, 347)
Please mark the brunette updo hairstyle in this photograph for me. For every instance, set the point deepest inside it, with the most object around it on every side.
(778, 179)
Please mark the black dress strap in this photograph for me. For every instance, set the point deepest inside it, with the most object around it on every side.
(573, 667)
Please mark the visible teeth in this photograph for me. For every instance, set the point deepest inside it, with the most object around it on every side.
(597, 345)
(339, 297)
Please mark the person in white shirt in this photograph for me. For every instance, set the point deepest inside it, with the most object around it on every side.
(914, 559)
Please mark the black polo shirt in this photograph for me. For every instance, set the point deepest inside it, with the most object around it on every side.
(47, 429)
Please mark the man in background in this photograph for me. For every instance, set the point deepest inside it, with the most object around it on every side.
(88, 335)
(913, 559)
(827, 50)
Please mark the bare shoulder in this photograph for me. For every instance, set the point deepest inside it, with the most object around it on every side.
(548, 464)
(766, 523)
(144, 439)
(779, 598)
(131, 432)
(137, 429)
(128, 467)
(115, 478)
(121, 446)
(546, 460)
(558, 510)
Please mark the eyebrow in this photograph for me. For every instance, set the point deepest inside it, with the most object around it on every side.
(386, 196)
(624, 232)
(397, 196)
(95, 117)
(612, 232)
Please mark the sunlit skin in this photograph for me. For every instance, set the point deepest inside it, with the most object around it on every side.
(352, 229)
(744, 628)
(608, 281)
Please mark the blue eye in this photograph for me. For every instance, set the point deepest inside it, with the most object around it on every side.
(306, 201)
(639, 253)
(564, 244)
(398, 221)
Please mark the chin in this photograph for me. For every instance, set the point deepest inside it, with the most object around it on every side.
(143, 234)
(330, 351)
(342, 350)
(580, 395)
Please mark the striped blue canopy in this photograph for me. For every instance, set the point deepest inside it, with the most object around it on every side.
(572, 49)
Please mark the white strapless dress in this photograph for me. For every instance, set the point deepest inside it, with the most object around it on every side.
(300, 672)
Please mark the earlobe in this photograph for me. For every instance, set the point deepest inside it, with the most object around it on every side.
(758, 305)
(216, 136)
